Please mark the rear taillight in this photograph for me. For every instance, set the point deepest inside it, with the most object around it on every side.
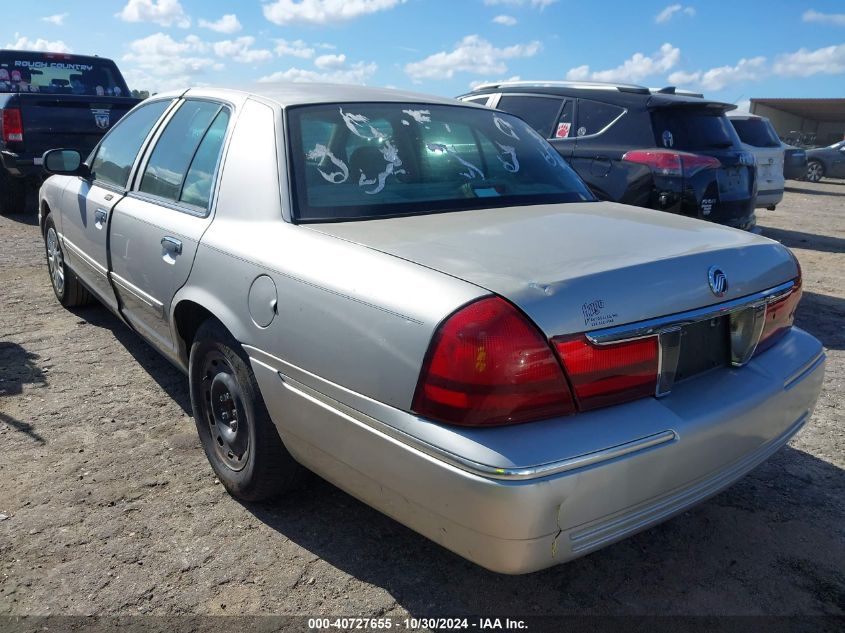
(780, 316)
(12, 126)
(489, 365)
(671, 163)
(603, 375)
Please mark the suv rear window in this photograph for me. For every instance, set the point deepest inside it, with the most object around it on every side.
(368, 160)
(51, 73)
(691, 130)
(756, 132)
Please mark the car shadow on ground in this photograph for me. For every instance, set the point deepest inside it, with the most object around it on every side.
(18, 367)
(648, 572)
(822, 316)
(168, 377)
(815, 192)
(809, 241)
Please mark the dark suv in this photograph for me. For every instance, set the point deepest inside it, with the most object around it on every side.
(672, 152)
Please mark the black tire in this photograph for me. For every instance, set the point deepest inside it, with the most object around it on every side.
(12, 194)
(66, 285)
(815, 171)
(235, 429)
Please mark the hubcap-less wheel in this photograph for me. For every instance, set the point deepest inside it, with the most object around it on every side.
(815, 171)
(223, 411)
(55, 261)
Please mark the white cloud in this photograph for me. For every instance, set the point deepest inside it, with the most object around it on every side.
(534, 4)
(717, 78)
(330, 62)
(505, 20)
(637, 67)
(283, 12)
(829, 60)
(669, 12)
(58, 19)
(296, 48)
(227, 24)
(158, 62)
(357, 73)
(163, 12)
(474, 84)
(473, 54)
(240, 50)
(837, 19)
(23, 43)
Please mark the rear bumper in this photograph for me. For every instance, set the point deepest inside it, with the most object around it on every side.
(768, 198)
(520, 517)
(22, 166)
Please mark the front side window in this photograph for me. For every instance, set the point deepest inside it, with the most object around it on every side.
(370, 160)
(171, 158)
(539, 112)
(116, 154)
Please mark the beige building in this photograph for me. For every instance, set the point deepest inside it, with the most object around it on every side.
(815, 122)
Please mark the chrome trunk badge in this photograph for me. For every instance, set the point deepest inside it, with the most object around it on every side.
(718, 281)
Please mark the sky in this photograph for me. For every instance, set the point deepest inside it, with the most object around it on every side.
(731, 51)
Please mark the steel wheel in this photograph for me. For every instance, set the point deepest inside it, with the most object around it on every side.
(55, 261)
(223, 411)
(815, 171)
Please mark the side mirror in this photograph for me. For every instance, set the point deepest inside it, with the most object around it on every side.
(64, 162)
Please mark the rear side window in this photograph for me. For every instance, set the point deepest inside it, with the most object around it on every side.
(117, 151)
(691, 130)
(594, 116)
(756, 132)
(175, 149)
(200, 177)
(482, 99)
(538, 112)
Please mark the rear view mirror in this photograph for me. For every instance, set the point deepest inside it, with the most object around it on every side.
(67, 162)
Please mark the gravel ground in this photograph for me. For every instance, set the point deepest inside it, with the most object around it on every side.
(109, 506)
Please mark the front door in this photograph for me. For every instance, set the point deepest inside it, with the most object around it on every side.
(87, 203)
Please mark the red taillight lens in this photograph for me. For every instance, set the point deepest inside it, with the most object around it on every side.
(488, 365)
(609, 374)
(779, 317)
(670, 163)
(12, 126)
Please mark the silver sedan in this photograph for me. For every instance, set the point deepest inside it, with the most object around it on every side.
(418, 300)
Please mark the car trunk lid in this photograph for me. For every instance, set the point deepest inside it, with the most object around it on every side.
(581, 266)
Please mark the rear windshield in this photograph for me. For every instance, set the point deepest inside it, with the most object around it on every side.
(59, 74)
(368, 160)
(756, 132)
(690, 130)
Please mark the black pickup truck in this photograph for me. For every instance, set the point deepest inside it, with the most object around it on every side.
(50, 100)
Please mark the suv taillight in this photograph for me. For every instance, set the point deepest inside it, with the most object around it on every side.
(604, 375)
(12, 126)
(666, 162)
(489, 365)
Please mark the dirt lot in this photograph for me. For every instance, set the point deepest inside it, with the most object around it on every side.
(109, 507)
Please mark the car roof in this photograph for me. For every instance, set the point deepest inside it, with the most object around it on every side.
(291, 94)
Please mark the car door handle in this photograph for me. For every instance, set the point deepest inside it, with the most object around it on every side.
(100, 217)
(171, 245)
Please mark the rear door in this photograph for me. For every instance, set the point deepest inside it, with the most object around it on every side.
(540, 111)
(157, 226)
(837, 165)
(87, 203)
